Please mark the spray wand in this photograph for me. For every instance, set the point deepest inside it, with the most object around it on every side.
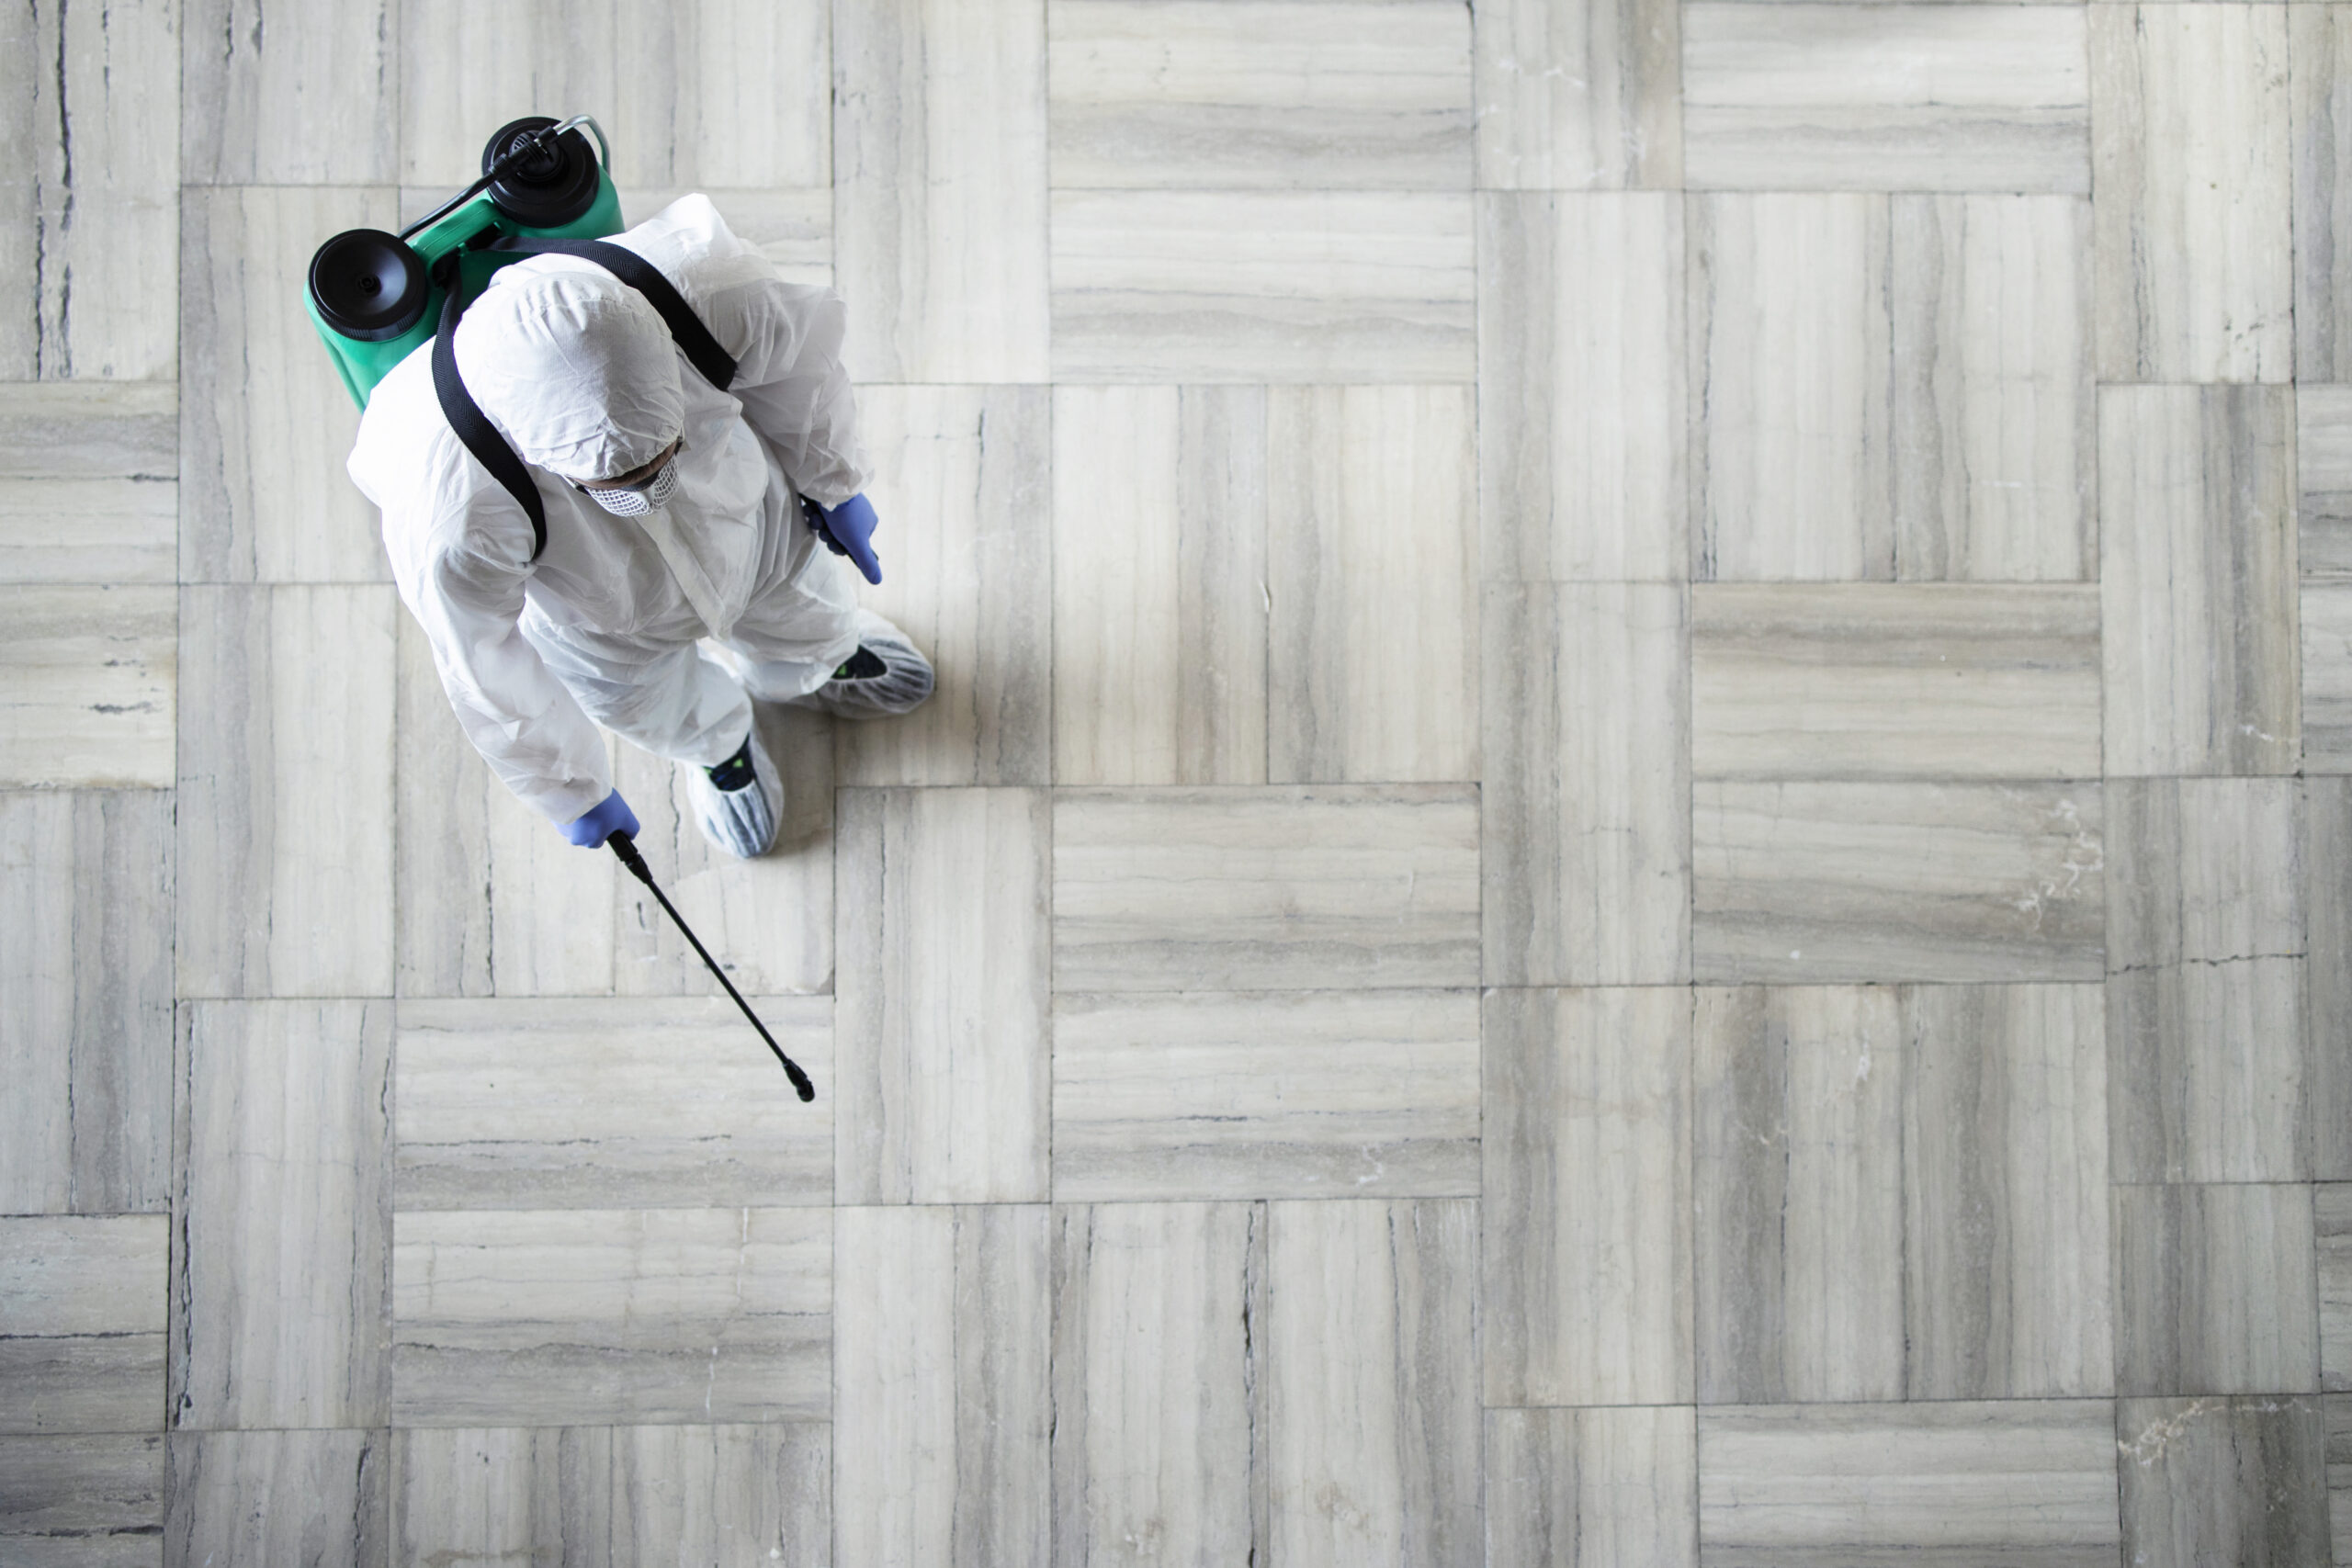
(625, 847)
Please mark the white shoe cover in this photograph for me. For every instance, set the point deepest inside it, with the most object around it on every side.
(743, 821)
(900, 687)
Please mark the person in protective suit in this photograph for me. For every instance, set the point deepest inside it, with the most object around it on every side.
(674, 520)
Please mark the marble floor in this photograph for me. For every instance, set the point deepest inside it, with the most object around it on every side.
(1637, 848)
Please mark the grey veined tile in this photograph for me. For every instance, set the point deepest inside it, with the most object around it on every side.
(2191, 140)
(85, 1002)
(963, 487)
(88, 689)
(940, 170)
(515, 1104)
(2212, 1075)
(1372, 1382)
(690, 94)
(606, 1495)
(2197, 577)
(595, 1316)
(2223, 1481)
(279, 1496)
(941, 999)
(1856, 680)
(1159, 1383)
(2327, 973)
(1260, 93)
(1160, 595)
(1266, 1095)
(943, 1415)
(2022, 1482)
(286, 797)
(83, 1300)
(1587, 1212)
(265, 421)
(1372, 578)
(1289, 888)
(1802, 882)
(1584, 1488)
(90, 481)
(308, 97)
(1586, 809)
(1574, 95)
(1263, 285)
(91, 218)
(1917, 98)
(2320, 46)
(1582, 417)
(2326, 633)
(283, 1209)
(1995, 419)
(2216, 1291)
(2332, 1230)
(2323, 483)
(92, 1502)
(1791, 410)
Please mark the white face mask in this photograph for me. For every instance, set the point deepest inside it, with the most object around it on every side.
(636, 501)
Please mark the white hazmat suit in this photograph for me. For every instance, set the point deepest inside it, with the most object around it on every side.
(580, 374)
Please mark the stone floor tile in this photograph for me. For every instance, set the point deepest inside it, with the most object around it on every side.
(2238, 1481)
(279, 1496)
(90, 1500)
(2319, 41)
(83, 1301)
(2328, 970)
(90, 481)
(1574, 97)
(1583, 1488)
(309, 97)
(2215, 1291)
(87, 687)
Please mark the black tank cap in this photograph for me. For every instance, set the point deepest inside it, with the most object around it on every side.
(549, 187)
(367, 284)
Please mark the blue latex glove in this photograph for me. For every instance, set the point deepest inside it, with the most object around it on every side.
(601, 822)
(848, 530)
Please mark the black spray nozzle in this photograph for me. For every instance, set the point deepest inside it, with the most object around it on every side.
(626, 848)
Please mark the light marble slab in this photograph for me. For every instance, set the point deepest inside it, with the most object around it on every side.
(1806, 881)
(940, 188)
(1995, 419)
(2210, 1072)
(942, 1014)
(1266, 1095)
(1585, 811)
(84, 1302)
(279, 1496)
(1372, 576)
(1325, 285)
(1159, 1434)
(2223, 1481)
(2325, 611)
(85, 1002)
(1160, 591)
(1372, 1355)
(943, 1409)
(88, 686)
(718, 92)
(87, 1502)
(2332, 1231)
(307, 98)
(2323, 483)
(2216, 1291)
(963, 483)
(285, 797)
(90, 481)
(1573, 95)
(769, 920)
(266, 423)
(2029, 1482)
(2197, 578)
(2328, 970)
(1267, 889)
(607, 1496)
(2320, 53)
(2193, 206)
(1886, 680)
(2004, 1179)
(93, 191)
(1586, 1222)
(2337, 1425)
(793, 226)
(1797, 1141)
(578, 1317)
(1226, 95)
(1585, 1488)
(281, 1272)
(1905, 96)
(489, 899)
(524, 1104)
(1790, 407)
(1582, 412)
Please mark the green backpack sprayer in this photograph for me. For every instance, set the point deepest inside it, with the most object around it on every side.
(376, 298)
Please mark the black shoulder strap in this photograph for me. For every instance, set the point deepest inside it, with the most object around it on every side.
(473, 426)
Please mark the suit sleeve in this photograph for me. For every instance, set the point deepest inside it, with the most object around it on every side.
(795, 390)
